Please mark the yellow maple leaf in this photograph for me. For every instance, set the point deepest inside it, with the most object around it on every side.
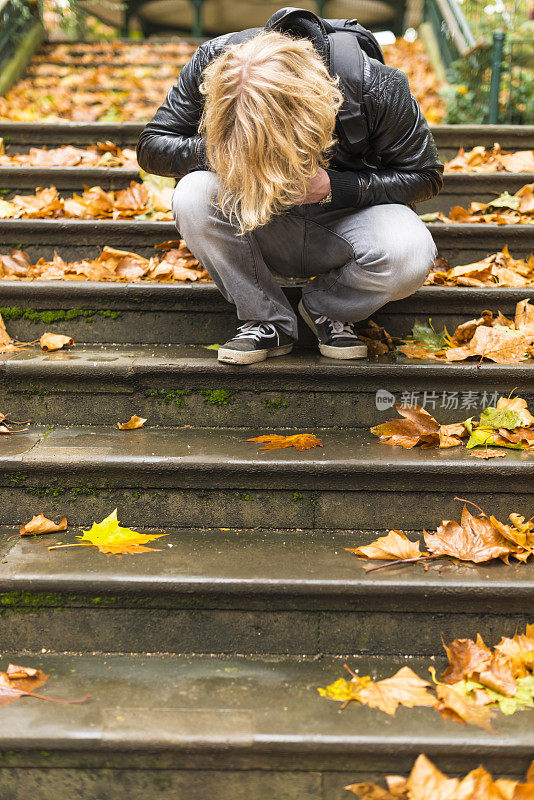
(111, 539)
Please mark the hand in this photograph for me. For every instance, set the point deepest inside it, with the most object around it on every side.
(318, 187)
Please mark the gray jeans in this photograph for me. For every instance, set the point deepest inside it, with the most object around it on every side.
(362, 258)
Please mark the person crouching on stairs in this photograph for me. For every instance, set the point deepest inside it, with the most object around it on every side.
(284, 172)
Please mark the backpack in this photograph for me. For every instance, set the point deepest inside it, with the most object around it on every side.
(306, 24)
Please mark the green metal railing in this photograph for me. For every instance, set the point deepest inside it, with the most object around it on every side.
(16, 16)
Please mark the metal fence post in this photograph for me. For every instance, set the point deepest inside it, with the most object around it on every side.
(496, 73)
(197, 18)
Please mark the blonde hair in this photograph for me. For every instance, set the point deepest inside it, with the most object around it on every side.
(268, 122)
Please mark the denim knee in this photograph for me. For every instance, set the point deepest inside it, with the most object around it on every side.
(192, 200)
(410, 261)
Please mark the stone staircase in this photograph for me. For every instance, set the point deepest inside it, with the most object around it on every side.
(202, 659)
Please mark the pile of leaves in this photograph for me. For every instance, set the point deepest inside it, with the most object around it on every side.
(475, 539)
(112, 539)
(113, 52)
(507, 209)
(509, 424)
(138, 201)
(477, 682)
(103, 154)
(497, 269)
(479, 159)
(426, 782)
(176, 263)
(498, 339)
(99, 81)
(17, 682)
(410, 57)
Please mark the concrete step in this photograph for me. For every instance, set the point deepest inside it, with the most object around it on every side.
(185, 385)
(458, 243)
(213, 478)
(242, 591)
(184, 313)
(233, 728)
(458, 189)
(448, 138)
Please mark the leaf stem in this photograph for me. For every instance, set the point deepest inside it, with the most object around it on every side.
(462, 500)
(401, 561)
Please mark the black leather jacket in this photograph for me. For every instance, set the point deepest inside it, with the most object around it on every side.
(401, 164)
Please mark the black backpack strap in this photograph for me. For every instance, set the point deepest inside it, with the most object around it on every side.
(346, 60)
(303, 24)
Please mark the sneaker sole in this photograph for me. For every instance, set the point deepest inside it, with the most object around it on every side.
(342, 353)
(252, 356)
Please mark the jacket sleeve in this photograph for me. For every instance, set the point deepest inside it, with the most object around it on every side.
(170, 144)
(399, 134)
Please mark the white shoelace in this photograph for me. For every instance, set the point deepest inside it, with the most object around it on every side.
(337, 329)
(255, 330)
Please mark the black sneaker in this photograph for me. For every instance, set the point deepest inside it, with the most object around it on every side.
(336, 339)
(255, 341)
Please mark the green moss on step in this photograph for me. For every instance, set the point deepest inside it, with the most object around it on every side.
(57, 315)
(297, 496)
(32, 391)
(276, 404)
(17, 479)
(217, 397)
(46, 491)
(31, 600)
(176, 396)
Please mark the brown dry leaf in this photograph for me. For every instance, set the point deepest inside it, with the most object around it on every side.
(370, 791)
(465, 657)
(378, 340)
(44, 203)
(519, 651)
(498, 675)
(524, 319)
(417, 427)
(516, 209)
(418, 351)
(404, 688)
(40, 524)
(496, 269)
(393, 546)
(178, 264)
(480, 159)
(133, 423)
(501, 345)
(452, 435)
(411, 58)
(55, 341)
(475, 539)
(19, 682)
(15, 265)
(5, 338)
(300, 441)
(487, 453)
(519, 405)
(458, 707)
(426, 782)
